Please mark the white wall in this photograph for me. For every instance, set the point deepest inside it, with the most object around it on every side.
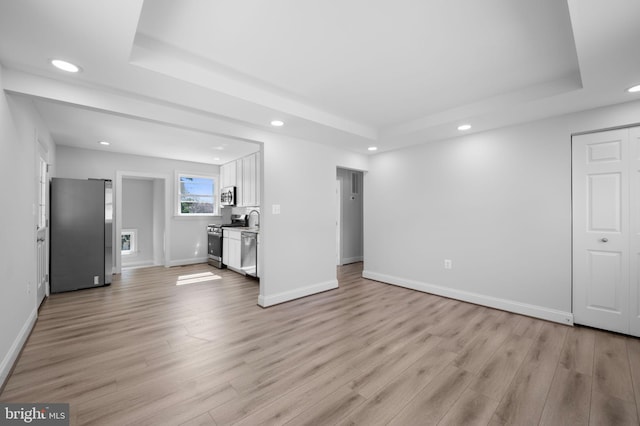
(298, 245)
(20, 125)
(498, 204)
(137, 213)
(187, 236)
(159, 215)
(351, 218)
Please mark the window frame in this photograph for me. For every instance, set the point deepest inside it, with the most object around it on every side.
(178, 194)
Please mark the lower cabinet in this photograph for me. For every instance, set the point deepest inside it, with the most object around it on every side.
(225, 248)
(231, 249)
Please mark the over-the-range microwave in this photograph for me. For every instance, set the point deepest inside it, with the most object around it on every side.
(228, 196)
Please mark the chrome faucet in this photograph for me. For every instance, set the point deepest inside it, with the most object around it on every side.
(257, 224)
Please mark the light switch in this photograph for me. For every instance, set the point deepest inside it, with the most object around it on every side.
(275, 209)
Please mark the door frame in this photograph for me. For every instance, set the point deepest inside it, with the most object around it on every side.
(338, 221)
(117, 228)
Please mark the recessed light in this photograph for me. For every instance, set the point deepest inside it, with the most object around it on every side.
(277, 123)
(216, 159)
(464, 127)
(373, 148)
(105, 143)
(634, 89)
(65, 66)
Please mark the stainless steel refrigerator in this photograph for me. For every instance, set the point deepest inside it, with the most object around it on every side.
(81, 221)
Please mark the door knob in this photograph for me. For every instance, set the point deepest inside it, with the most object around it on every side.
(604, 240)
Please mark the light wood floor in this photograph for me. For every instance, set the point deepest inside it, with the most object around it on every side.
(146, 351)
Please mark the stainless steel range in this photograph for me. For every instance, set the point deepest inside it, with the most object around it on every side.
(214, 237)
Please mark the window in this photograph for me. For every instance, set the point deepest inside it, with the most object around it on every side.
(128, 241)
(196, 195)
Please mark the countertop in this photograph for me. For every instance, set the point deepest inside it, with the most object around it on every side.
(255, 229)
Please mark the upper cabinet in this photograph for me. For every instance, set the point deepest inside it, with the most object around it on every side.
(251, 180)
(244, 174)
(228, 175)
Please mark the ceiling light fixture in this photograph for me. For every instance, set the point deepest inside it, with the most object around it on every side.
(105, 143)
(64, 65)
(634, 89)
(464, 127)
(373, 148)
(277, 123)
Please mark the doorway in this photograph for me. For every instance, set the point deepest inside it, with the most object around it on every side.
(141, 220)
(349, 216)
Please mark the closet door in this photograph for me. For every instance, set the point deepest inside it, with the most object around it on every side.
(634, 237)
(601, 255)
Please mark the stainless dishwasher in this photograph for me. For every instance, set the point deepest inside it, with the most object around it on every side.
(249, 253)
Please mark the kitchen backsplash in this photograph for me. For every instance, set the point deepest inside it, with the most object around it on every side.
(228, 211)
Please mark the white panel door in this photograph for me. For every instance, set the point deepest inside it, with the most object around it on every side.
(601, 257)
(42, 230)
(634, 234)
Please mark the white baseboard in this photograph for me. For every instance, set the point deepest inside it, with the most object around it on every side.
(479, 299)
(348, 260)
(287, 296)
(192, 261)
(138, 265)
(16, 347)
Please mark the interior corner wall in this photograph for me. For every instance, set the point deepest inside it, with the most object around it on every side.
(298, 244)
(20, 125)
(496, 203)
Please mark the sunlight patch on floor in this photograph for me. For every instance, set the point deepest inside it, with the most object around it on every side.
(197, 278)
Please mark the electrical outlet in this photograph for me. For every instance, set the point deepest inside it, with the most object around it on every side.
(448, 264)
(96, 280)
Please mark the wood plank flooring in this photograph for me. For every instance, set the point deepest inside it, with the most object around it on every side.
(189, 346)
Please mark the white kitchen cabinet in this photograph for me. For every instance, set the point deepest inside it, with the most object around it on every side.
(225, 248)
(239, 184)
(231, 246)
(251, 180)
(228, 175)
(258, 180)
(244, 174)
(223, 176)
